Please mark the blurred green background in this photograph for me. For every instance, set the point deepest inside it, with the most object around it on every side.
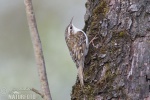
(17, 64)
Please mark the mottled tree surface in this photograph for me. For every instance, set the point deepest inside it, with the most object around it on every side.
(117, 66)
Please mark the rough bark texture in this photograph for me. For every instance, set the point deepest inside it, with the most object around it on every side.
(118, 64)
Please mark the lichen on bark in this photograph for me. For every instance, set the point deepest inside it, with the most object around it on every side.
(118, 61)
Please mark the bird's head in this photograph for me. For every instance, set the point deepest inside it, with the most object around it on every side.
(70, 28)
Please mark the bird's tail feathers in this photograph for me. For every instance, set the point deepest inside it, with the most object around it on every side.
(80, 75)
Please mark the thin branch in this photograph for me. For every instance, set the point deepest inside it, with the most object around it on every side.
(37, 49)
(37, 92)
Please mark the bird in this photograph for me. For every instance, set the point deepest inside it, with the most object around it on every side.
(78, 45)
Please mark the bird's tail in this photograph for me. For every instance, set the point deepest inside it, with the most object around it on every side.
(80, 75)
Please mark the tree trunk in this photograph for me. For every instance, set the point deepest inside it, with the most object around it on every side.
(118, 63)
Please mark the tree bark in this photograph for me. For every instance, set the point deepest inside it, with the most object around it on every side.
(118, 63)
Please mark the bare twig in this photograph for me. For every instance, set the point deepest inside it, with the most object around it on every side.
(37, 92)
(37, 49)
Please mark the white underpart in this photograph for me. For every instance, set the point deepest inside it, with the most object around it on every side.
(87, 43)
(68, 31)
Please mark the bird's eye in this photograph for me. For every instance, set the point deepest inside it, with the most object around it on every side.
(70, 27)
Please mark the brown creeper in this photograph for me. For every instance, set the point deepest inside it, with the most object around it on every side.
(77, 42)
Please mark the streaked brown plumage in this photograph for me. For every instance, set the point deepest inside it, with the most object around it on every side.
(77, 43)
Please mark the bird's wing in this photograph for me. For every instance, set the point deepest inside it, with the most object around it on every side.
(77, 47)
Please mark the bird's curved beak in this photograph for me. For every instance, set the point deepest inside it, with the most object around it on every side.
(71, 20)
